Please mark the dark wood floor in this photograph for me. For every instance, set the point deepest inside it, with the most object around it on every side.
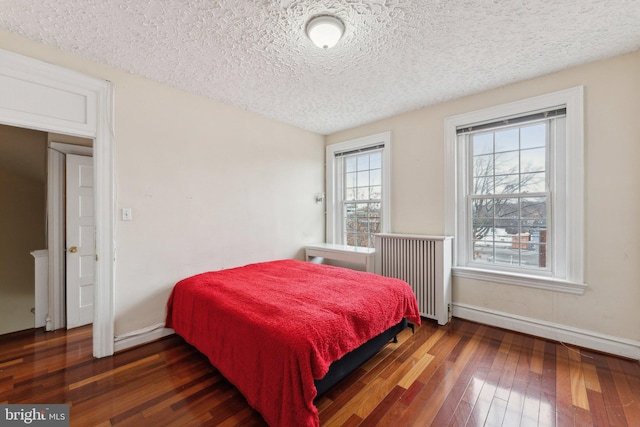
(463, 374)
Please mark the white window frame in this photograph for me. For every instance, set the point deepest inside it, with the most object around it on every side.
(567, 195)
(334, 183)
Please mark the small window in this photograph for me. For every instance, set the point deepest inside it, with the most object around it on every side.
(358, 190)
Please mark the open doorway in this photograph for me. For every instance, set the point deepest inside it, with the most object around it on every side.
(22, 222)
(45, 211)
(42, 96)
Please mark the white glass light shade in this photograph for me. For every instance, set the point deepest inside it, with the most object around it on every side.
(325, 31)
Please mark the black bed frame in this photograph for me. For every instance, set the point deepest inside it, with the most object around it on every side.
(351, 361)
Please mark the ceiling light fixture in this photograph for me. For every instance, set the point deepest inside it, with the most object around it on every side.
(325, 31)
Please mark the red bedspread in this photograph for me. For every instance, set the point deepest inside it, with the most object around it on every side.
(271, 328)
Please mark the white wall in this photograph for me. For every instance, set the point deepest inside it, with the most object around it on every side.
(612, 128)
(210, 186)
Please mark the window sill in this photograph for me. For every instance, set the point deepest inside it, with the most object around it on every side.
(530, 281)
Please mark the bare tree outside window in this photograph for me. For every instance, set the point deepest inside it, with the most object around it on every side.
(508, 196)
(362, 198)
(515, 192)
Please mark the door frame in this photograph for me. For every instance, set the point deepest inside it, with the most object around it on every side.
(41, 96)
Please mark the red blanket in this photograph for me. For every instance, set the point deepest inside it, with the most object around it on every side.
(271, 328)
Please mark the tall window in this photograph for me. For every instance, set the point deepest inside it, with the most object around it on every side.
(362, 196)
(509, 191)
(515, 192)
(357, 190)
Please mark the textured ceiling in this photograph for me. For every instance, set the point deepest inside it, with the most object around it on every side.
(395, 56)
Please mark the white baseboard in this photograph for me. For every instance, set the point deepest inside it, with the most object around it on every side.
(540, 328)
(554, 331)
(141, 336)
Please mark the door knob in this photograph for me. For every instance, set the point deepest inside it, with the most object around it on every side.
(73, 249)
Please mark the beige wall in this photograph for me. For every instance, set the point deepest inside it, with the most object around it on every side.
(612, 131)
(22, 223)
(210, 186)
(213, 186)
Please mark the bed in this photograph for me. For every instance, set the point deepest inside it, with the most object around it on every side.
(276, 329)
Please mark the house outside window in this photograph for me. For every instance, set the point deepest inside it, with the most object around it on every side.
(358, 190)
(515, 192)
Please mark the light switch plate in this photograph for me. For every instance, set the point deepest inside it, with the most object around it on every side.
(126, 214)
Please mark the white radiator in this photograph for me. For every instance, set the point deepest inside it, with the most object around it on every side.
(425, 263)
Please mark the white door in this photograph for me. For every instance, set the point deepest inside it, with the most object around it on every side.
(80, 240)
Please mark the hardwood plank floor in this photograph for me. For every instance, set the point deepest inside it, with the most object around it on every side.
(463, 374)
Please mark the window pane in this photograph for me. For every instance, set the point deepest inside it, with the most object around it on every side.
(350, 180)
(376, 177)
(531, 230)
(533, 136)
(482, 143)
(533, 255)
(483, 165)
(363, 178)
(533, 160)
(375, 160)
(361, 208)
(533, 227)
(504, 230)
(534, 208)
(363, 162)
(483, 185)
(350, 164)
(376, 192)
(482, 219)
(507, 140)
(483, 229)
(507, 184)
(506, 208)
(349, 209)
(362, 220)
(350, 194)
(532, 182)
(483, 252)
(350, 225)
(363, 193)
(482, 208)
(506, 163)
(375, 210)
